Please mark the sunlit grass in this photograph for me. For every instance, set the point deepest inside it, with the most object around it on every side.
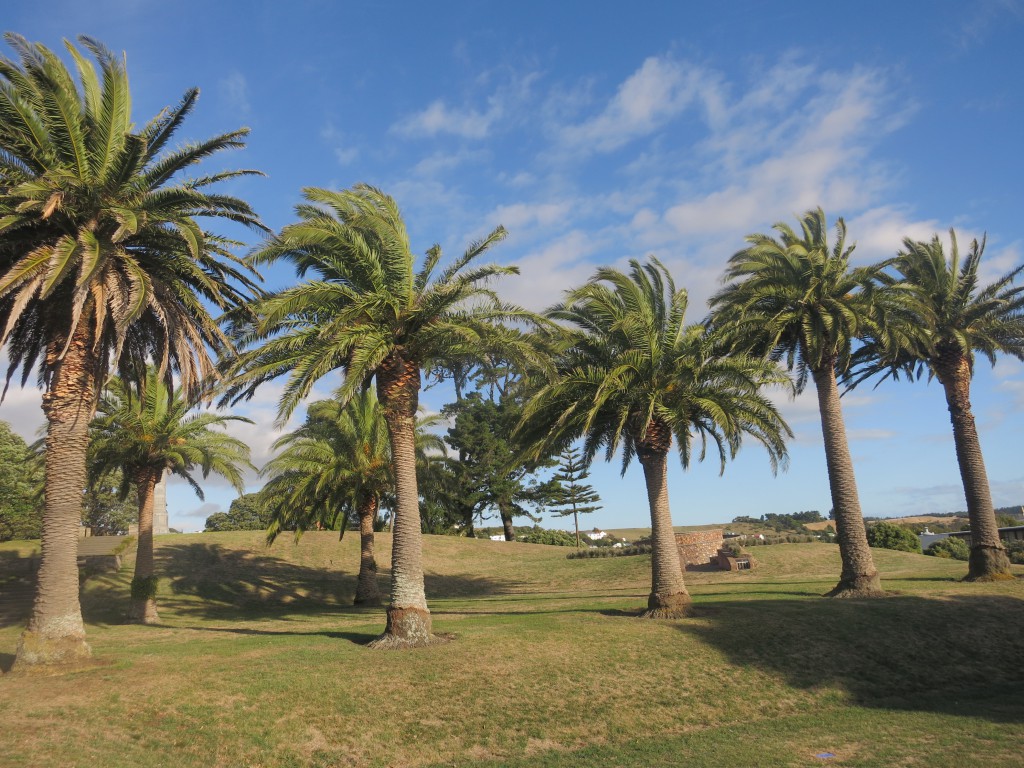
(261, 661)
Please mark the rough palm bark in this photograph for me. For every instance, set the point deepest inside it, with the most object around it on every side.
(988, 560)
(55, 633)
(669, 598)
(142, 609)
(408, 618)
(859, 577)
(367, 591)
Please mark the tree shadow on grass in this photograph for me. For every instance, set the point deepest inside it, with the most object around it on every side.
(210, 581)
(959, 655)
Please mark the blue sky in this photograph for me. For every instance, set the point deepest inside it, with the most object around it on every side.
(598, 132)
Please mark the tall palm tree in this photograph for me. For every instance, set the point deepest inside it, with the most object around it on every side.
(337, 465)
(635, 375)
(103, 263)
(371, 314)
(945, 315)
(795, 297)
(142, 437)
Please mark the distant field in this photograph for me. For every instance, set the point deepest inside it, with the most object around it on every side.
(261, 661)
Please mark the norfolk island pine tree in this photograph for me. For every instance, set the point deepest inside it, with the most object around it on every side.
(574, 497)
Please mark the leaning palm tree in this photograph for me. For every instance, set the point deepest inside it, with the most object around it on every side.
(142, 437)
(945, 316)
(335, 466)
(634, 375)
(103, 263)
(371, 314)
(796, 298)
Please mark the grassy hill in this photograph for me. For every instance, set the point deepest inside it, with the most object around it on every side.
(260, 661)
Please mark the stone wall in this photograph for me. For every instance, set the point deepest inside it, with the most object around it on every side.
(699, 547)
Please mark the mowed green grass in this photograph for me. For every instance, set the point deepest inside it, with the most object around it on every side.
(260, 661)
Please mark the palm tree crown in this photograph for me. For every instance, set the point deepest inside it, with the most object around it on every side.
(367, 307)
(634, 375)
(796, 297)
(100, 233)
(156, 431)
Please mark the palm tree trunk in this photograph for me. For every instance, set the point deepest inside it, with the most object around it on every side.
(988, 561)
(367, 591)
(859, 576)
(143, 604)
(669, 598)
(56, 634)
(409, 623)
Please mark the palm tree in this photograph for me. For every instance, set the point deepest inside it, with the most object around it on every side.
(142, 437)
(635, 375)
(371, 314)
(796, 298)
(337, 465)
(102, 263)
(944, 316)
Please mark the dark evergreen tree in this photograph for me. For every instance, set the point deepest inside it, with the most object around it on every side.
(21, 479)
(492, 473)
(574, 496)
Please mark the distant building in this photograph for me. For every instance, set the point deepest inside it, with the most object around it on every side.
(499, 537)
(596, 534)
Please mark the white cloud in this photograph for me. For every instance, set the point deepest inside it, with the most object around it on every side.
(440, 162)
(546, 273)
(647, 100)
(439, 118)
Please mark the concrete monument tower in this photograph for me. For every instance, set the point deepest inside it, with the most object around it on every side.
(160, 523)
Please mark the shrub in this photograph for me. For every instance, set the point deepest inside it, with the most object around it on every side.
(789, 538)
(586, 554)
(891, 536)
(951, 547)
(732, 549)
(538, 535)
(1015, 551)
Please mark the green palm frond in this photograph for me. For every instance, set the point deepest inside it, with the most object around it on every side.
(629, 360)
(156, 429)
(364, 302)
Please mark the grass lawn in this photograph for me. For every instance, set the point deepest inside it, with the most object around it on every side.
(260, 661)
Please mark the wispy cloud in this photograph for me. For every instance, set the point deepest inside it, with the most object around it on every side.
(652, 96)
(345, 151)
(235, 92)
(468, 121)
